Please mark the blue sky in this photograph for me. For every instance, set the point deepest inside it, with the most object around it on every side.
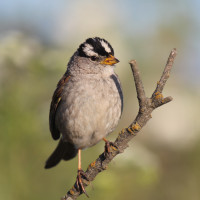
(63, 21)
(42, 16)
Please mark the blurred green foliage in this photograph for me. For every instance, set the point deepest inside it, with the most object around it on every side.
(29, 73)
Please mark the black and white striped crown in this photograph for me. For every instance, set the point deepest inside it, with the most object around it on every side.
(94, 47)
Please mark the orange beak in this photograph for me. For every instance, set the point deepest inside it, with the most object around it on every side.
(111, 60)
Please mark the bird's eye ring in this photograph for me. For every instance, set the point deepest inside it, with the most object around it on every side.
(93, 58)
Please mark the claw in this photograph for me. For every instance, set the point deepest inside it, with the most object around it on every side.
(79, 182)
(108, 145)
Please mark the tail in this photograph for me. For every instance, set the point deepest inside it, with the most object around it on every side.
(64, 150)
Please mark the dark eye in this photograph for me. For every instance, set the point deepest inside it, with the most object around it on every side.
(93, 58)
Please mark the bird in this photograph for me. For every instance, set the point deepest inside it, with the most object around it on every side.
(87, 103)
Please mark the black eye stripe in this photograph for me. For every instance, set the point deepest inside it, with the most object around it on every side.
(93, 58)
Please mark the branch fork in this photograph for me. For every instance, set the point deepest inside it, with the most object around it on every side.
(146, 107)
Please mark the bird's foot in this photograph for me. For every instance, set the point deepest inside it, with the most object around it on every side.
(79, 181)
(108, 146)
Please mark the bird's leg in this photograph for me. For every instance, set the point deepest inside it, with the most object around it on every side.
(81, 173)
(108, 145)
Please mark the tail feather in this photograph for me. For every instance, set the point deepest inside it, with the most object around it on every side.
(64, 150)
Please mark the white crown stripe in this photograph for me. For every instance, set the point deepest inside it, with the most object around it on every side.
(105, 45)
(88, 49)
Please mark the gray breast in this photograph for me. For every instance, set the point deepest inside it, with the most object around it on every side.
(90, 109)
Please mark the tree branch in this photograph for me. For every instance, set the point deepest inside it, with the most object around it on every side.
(146, 107)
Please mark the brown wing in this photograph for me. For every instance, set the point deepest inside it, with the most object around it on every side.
(56, 99)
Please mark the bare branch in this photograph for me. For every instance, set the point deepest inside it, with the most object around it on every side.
(146, 107)
(166, 72)
(138, 83)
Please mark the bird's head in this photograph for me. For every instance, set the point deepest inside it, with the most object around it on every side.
(95, 55)
(98, 50)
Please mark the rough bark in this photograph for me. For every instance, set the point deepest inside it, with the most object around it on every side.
(146, 107)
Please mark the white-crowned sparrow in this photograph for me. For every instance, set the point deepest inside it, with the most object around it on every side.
(87, 103)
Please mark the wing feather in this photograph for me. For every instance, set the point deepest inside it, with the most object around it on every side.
(56, 99)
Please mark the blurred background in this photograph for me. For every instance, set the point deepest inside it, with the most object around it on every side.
(37, 38)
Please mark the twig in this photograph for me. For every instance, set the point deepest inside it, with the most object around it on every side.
(146, 107)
